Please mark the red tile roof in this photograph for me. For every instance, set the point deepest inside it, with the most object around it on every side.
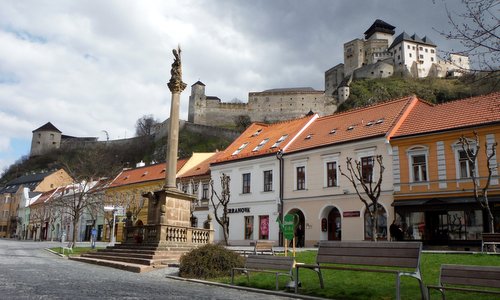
(427, 118)
(360, 123)
(257, 133)
(143, 174)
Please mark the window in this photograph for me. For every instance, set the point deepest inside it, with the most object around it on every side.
(420, 48)
(204, 194)
(259, 146)
(246, 183)
(301, 178)
(432, 50)
(367, 169)
(268, 181)
(410, 54)
(432, 58)
(421, 56)
(331, 174)
(279, 141)
(264, 227)
(240, 148)
(465, 166)
(426, 50)
(418, 167)
(249, 228)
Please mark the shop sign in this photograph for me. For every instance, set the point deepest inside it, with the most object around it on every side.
(351, 214)
(238, 210)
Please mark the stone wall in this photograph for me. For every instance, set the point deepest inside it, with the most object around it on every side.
(267, 106)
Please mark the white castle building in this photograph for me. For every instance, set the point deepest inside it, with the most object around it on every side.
(380, 55)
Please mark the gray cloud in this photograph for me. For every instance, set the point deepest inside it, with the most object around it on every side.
(89, 66)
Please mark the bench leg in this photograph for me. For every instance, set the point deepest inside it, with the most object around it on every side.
(277, 282)
(232, 276)
(398, 283)
(320, 276)
(296, 280)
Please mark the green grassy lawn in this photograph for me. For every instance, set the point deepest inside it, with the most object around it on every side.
(371, 285)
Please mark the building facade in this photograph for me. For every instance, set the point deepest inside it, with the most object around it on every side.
(433, 189)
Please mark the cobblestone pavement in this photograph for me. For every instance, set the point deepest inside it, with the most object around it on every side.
(27, 271)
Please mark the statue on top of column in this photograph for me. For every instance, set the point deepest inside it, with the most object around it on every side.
(175, 84)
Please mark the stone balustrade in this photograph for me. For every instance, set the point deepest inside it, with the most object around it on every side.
(169, 234)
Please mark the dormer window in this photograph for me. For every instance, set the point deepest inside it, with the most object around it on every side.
(144, 174)
(309, 136)
(350, 128)
(279, 141)
(257, 132)
(333, 131)
(259, 146)
(240, 148)
(380, 121)
(370, 123)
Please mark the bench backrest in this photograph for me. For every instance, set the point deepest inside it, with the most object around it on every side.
(70, 245)
(484, 276)
(390, 254)
(491, 237)
(263, 246)
(267, 262)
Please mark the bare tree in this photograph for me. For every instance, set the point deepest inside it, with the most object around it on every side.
(222, 202)
(87, 167)
(145, 125)
(476, 28)
(471, 148)
(370, 191)
(242, 122)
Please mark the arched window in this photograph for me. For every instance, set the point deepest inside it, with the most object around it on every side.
(382, 224)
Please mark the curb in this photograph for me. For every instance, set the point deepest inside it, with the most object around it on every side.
(56, 253)
(248, 289)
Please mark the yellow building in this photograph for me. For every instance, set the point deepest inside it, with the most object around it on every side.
(433, 189)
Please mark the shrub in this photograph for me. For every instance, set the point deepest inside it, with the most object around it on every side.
(209, 261)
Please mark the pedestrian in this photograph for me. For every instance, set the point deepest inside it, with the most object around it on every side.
(396, 232)
(299, 234)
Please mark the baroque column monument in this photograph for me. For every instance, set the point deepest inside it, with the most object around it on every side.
(168, 233)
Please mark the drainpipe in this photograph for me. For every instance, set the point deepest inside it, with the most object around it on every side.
(279, 156)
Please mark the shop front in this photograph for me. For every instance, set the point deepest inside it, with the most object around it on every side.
(452, 222)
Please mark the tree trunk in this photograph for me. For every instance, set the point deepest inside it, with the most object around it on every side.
(374, 227)
(75, 229)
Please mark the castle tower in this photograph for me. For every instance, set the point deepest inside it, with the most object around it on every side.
(45, 139)
(196, 97)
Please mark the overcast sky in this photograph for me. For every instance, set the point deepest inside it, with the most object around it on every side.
(88, 66)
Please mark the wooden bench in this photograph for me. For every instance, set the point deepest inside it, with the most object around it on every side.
(68, 247)
(460, 275)
(402, 257)
(263, 247)
(489, 239)
(278, 265)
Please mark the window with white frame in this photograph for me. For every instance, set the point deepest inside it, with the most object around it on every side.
(268, 180)
(417, 158)
(331, 174)
(301, 178)
(463, 165)
(246, 183)
(367, 169)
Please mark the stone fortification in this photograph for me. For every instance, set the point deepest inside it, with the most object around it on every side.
(267, 106)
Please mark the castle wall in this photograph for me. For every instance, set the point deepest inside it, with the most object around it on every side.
(333, 78)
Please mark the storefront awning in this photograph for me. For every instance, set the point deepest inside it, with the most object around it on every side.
(440, 201)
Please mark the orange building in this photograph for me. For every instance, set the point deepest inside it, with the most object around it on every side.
(433, 189)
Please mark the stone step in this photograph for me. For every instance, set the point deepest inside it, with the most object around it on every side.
(131, 254)
(139, 261)
(131, 267)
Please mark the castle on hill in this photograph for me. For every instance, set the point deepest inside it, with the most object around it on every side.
(381, 55)
(378, 55)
